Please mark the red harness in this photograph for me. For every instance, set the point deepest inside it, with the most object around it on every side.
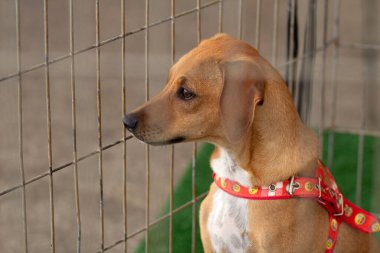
(328, 195)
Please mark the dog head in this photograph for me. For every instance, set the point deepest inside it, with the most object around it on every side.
(211, 95)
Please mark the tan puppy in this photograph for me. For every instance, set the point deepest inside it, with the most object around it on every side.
(225, 93)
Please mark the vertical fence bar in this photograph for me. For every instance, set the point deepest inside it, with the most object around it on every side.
(323, 82)
(99, 112)
(171, 168)
(199, 30)
(194, 196)
(124, 131)
(240, 19)
(334, 80)
(194, 155)
(171, 201)
(275, 33)
(258, 15)
(220, 22)
(359, 167)
(291, 46)
(147, 146)
(20, 128)
(363, 123)
(48, 116)
(74, 127)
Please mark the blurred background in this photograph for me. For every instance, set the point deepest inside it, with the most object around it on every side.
(327, 51)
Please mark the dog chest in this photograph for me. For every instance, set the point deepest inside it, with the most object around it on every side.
(228, 220)
(227, 223)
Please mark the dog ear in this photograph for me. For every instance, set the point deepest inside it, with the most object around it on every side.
(243, 89)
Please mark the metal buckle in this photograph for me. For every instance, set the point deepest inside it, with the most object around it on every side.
(340, 202)
(292, 186)
(290, 189)
(319, 187)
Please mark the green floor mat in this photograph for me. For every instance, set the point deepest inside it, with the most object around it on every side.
(344, 168)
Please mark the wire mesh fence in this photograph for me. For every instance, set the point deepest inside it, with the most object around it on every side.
(67, 161)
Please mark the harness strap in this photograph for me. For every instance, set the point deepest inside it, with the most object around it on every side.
(322, 187)
(333, 233)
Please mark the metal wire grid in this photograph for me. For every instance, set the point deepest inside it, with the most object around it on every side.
(334, 42)
(147, 158)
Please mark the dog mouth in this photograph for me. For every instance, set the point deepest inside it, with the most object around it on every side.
(161, 143)
(152, 135)
(168, 142)
(147, 138)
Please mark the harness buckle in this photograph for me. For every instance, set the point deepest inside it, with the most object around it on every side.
(341, 204)
(319, 187)
(292, 187)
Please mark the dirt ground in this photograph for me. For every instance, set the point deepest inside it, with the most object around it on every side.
(357, 68)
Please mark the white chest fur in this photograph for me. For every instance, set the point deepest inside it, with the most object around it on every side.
(227, 223)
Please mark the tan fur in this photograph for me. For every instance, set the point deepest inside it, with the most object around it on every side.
(275, 146)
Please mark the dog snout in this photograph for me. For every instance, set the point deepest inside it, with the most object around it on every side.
(130, 122)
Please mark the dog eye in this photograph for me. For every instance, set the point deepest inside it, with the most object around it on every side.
(185, 94)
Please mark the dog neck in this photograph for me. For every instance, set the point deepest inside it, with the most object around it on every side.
(226, 166)
(278, 145)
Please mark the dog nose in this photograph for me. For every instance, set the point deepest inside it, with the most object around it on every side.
(130, 122)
